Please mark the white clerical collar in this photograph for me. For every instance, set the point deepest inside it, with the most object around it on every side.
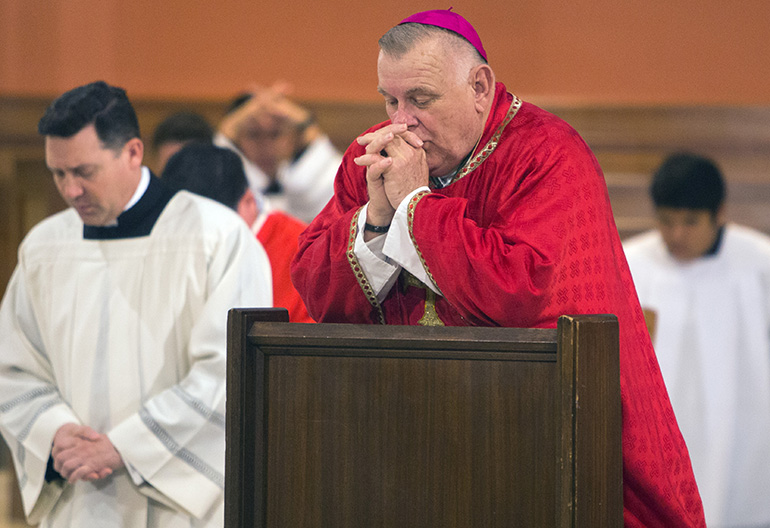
(144, 182)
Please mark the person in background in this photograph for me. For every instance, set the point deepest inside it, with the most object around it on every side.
(286, 155)
(707, 283)
(113, 332)
(175, 131)
(217, 173)
(472, 207)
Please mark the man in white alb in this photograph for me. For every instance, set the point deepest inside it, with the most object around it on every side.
(112, 333)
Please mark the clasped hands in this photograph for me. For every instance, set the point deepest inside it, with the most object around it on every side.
(80, 453)
(395, 166)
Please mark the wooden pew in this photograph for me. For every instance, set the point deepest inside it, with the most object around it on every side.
(398, 426)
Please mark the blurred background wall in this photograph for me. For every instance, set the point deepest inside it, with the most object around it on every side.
(597, 51)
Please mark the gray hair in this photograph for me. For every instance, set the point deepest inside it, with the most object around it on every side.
(402, 38)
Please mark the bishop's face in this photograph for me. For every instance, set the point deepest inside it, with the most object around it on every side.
(687, 233)
(96, 181)
(427, 89)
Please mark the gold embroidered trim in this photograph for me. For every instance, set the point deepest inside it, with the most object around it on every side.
(484, 153)
(358, 271)
(430, 316)
(410, 218)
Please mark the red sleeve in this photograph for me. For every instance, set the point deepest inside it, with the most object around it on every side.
(324, 269)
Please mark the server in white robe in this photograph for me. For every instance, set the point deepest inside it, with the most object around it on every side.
(708, 285)
(113, 333)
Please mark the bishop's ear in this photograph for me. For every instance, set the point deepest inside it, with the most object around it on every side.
(483, 79)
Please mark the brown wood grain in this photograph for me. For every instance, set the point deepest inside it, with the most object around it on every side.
(416, 427)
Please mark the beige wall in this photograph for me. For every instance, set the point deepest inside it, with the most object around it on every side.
(609, 51)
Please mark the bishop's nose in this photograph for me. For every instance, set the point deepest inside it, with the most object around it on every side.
(402, 116)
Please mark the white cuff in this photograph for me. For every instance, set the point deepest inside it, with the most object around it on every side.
(399, 247)
(380, 271)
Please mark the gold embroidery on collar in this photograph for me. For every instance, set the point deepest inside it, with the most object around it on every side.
(358, 271)
(484, 153)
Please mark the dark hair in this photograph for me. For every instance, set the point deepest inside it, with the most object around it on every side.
(687, 181)
(182, 127)
(207, 170)
(106, 107)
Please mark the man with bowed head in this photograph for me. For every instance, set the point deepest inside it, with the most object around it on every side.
(113, 333)
(472, 207)
(706, 284)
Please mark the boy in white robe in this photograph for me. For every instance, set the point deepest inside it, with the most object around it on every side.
(112, 333)
(708, 285)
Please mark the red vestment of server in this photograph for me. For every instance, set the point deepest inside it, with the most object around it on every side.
(522, 235)
(278, 235)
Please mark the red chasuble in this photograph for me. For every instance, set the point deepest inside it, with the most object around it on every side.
(278, 236)
(523, 234)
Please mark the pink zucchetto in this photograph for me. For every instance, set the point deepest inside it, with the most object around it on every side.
(445, 18)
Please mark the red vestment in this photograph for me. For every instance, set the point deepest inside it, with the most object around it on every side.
(524, 234)
(278, 235)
